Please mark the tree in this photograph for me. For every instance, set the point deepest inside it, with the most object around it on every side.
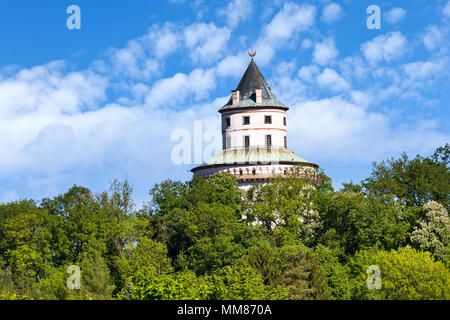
(25, 244)
(96, 282)
(242, 282)
(363, 221)
(301, 273)
(433, 232)
(146, 256)
(336, 274)
(412, 182)
(285, 205)
(294, 267)
(406, 274)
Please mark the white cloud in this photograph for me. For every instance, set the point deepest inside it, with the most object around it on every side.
(332, 13)
(232, 65)
(354, 66)
(344, 131)
(142, 57)
(432, 38)
(206, 42)
(384, 47)
(162, 40)
(171, 91)
(331, 80)
(446, 9)
(395, 15)
(325, 51)
(237, 11)
(285, 26)
(47, 88)
(307, 43)
(308, 73)
(292, 18)
(132, 62)
(55, 129)
(421, 70)
(360, 98)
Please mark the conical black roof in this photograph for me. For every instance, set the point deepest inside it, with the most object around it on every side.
(251, 80)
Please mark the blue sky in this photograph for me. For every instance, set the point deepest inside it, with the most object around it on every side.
(88, 106)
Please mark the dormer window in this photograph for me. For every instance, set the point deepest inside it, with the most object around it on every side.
(246, 120)
(268, 119)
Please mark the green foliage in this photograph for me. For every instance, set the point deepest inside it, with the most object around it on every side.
(285, 205)
(406, 274)
(336, 274)
(293, 267)
(12, 296)
(412, 182)
(207, 239)
(301, 273)
(362, 222)
(95, 277)
(242, 282)
(433, 232)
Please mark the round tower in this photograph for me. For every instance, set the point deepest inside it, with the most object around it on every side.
(254, 131)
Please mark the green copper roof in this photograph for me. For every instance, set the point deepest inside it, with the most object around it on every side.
(255, 155)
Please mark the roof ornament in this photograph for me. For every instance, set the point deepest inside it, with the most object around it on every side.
(252, 54)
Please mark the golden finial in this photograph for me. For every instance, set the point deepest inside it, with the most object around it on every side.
(252, 54)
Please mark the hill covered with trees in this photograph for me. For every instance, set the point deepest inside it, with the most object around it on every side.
(207, 239)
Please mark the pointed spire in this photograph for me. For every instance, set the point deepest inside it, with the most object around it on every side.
(252, 80)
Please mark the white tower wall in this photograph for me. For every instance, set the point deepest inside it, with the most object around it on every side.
(257, 129)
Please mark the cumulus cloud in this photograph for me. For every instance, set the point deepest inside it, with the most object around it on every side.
(421, 69)
(384, 47)
(132, 62)
(307, 43)
(345, 131)
(50, 88)
(332, 13)
(142, 57)
(325, 51)
(361, 98)
(58, 126)
(331, 80)
(308, 73)
(232, 65)
(34, 98)
(354, 66)
(174, 90)
(51, 136)
(206, 42)
(287, 24)
(290, 19)
(395, 15)
(446, 9)
(236, 11)
(432, 37)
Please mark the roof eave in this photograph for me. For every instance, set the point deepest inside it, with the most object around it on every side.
(209, 166)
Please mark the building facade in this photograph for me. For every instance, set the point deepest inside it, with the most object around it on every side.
(254, 131)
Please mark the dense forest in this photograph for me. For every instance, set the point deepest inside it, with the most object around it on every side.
(208, 239)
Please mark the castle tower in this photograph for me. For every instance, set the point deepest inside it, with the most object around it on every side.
(254, 130)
